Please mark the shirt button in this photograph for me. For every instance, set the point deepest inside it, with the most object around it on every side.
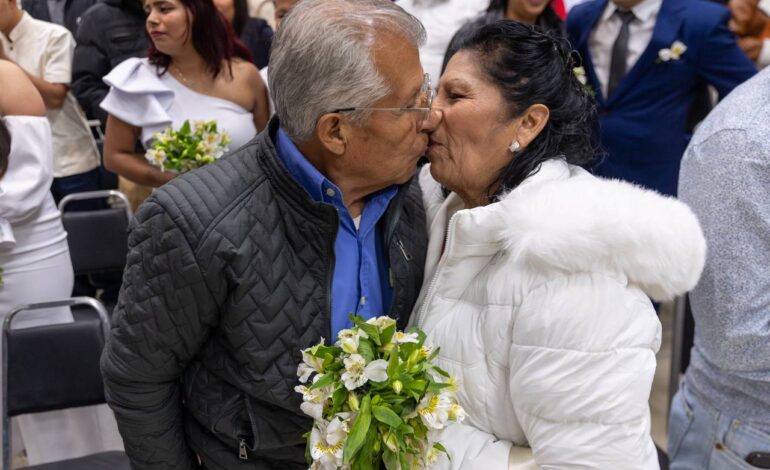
(363, 300)
(330, 192)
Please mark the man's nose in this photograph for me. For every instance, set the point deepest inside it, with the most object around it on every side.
(430, 120)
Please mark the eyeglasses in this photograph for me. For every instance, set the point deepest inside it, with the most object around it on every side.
(423, 104)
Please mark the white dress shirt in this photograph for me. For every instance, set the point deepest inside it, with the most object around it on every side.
(606, 32)
(45, 50)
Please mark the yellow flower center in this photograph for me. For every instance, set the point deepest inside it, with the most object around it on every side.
(327, 449)
(431, 408)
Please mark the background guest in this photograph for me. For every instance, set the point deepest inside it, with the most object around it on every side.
(255, 33)
(541, 14)
(44, 51)
(65, 13)
(645, 82)
(441, 18)
(36, 262)
(195, 71)
(721, 414)
(282, 8)
(752, 26)
(110, 32)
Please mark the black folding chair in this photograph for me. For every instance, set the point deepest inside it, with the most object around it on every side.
(55, 367)
(98, 241)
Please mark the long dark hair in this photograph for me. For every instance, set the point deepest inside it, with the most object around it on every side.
(212, 37)
(240, 16)
(530, 67)
(5, 147)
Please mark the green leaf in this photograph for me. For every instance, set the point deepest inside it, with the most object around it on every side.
(441, 448)
(338, 398)
(437, 386)
(358, 432)
(372, 331)
(326, 379)
(387, 416)
(405, 429)
(387, 334)
(365, 350)
(441, 371)
(390, 459)
(393, 362)
(185, 129)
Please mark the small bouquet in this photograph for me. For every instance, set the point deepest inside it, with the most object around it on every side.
(192, 146)
(376, 398)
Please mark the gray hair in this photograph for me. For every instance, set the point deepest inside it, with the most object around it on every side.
(322, 59)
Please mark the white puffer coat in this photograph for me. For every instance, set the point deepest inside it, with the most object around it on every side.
(540, 305)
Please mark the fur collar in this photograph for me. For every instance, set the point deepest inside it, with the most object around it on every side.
(565, 219)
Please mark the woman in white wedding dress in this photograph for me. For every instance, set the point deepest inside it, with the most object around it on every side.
(36, 263)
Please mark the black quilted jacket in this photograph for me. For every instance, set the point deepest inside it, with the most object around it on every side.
(228, 277)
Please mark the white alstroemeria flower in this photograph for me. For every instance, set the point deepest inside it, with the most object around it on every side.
(157, 157)
(402, 337)
(327, 441)
(358, 372)
(580, 74)
(348, 339)
(675, 52)
(309, 365)
(434, 410)
(313, 401)
(431, 457)
(457, 413)
(381, 322)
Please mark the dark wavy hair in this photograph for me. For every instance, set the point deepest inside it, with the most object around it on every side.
(531, 67)
(5, 147)
(212, 37)
(240, 16)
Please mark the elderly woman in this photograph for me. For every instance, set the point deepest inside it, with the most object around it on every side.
(538, 275)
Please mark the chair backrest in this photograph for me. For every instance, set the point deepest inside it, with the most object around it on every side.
(97, 239)
(51, 367)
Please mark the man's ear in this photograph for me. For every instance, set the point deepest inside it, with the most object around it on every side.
(532, 123)
(331, 133)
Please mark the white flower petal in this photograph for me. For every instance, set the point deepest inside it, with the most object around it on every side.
(377, 371)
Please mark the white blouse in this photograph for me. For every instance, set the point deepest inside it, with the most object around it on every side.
(30, 224)
(142, 98)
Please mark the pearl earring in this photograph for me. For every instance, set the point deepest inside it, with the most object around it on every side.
(515, 146)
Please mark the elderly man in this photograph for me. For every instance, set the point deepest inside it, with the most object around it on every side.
(234, 268)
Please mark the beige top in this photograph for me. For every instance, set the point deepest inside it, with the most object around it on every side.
(45, 50)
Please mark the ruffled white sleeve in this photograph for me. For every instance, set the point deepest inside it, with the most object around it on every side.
(30, 172)
(137, 95)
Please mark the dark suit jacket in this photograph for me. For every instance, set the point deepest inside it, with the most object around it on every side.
(73, 10)
(643, 124)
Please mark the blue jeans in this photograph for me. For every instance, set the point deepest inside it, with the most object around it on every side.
(700, 437)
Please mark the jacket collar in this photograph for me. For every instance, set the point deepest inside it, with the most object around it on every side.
(564, 219)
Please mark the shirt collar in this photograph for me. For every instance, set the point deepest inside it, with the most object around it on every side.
(644, 10)
(319, 187)
(21, 28)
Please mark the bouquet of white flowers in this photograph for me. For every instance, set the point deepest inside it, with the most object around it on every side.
(192, 146)
(376, 398)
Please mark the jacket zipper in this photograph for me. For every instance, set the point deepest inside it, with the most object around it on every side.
(434, 279)
(401, 247)
(242, 454)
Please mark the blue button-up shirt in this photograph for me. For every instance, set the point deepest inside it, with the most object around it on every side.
(360, 282)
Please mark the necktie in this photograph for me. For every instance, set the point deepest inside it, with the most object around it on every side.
(620, 51)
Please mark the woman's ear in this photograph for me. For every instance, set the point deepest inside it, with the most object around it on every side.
(330, 132)
(532, 123)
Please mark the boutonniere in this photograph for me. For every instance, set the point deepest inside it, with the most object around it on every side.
(675, 52)
(580, 74)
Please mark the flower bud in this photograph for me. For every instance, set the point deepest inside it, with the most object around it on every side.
(391, 442)
(397, 386)
(353, 401)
